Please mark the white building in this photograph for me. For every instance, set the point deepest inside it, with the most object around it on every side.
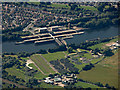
(41, 30)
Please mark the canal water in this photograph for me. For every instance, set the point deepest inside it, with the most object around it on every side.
(88, 35)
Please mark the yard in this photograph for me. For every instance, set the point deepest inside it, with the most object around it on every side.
(54, 56)
(102, 45)
(40, 62)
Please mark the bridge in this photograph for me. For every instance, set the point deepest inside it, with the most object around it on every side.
(56, 39)
(58, 42)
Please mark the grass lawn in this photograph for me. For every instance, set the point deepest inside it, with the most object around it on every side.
(85, 85)
(102, 45)
(100, 74)
(18, 73)
(105, 72)
(111, 62)
(42, 64)
(99, 46)
(25, 58)
(80, 66)
(38, 75)
(53, 56)
(89, 8)
(36, 3)
(59, 5)
(107, 6)
(88, 55)
(45, 85)
(96, 60)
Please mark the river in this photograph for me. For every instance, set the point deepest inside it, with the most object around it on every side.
(88, 35)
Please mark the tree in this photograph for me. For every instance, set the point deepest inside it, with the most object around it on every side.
(73, 6)
(70, 50)
(108, 52)
(88, 67)
(42, 51)
(107, 85)
(101, 7)
(48, 3)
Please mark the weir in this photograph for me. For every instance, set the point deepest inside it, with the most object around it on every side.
(23, 37)
(57, 36)
(44, 41)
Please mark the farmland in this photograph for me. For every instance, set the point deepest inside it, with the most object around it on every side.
(53, 56)
(42, 64)
(37, 75)
(102, 45)
(89, 8)
(89, 60)
(18, 73)
(85, 85)
(104, 72)
(59, 5)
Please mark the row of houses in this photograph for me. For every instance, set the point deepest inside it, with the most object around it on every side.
(61, 80)
(45, 29)
(20, 14)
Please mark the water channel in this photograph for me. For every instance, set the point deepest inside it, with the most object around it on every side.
(88, 35)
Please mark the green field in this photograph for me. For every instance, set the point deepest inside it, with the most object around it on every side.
(52, 5)
(42, 64)
(99, 46)
(53, 56)
(37, 75)
(59, 5)
(18, 73)
(88, 55)
(36, 3)
(102, 45)
(85, 85)
(96, 60)
(105, 72)
(89, 8)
